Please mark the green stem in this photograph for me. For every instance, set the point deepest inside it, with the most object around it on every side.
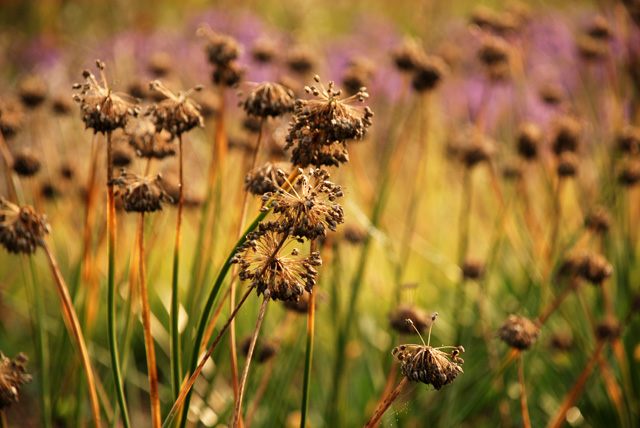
(176, 358)
(111, 290)
(309, 351)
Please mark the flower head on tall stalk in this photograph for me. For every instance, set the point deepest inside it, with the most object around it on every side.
(519, 332)
(13, 374)
(321, 127)
(22, 229)
(141, 194)
(177, 113)
(268, 99)
(263, 262)
(312, 209)
(101, 108)
(148, 143)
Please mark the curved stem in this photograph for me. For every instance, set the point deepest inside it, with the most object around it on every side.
(176, 358)
(152, 369)
(111, 290)
(73, 326)
(245, 372)
(386, 403)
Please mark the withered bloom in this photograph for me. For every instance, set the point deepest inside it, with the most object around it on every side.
(428, 72)
(309, 208)
(551, 93)
(568, 164)
(220, 48)
(529, 136)
(265, 178)
(61, 104)
(262, 262)
(101, 109)
(176, 114)
(321, 127)
(300, 59)
(599, 221)
(494, 55)
(432, 366)
(22, 229)
(357, 75)
(594, 268)
(472, 269)
(566, 135)
(229, 74)
(268, 99)
(148, 143)
(599, 28)
(629, 173)
(628, 140)
(12, 118)
(32, 90)
(398, 319)
(264, 50)
(264, 350)
(519, 332)
(407, 54)
(26, 162)
(608, 329)
(141, 194)
(13, 374)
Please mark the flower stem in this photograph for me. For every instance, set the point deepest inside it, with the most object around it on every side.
(384, 405)
(111, 289)
(523, 394)
(245, 372)
(309, 351)
(152, 369)
(176, 359)
(71, 318)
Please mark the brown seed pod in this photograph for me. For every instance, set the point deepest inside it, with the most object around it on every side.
(528, 137)
(32, 90)
(551, 93)
(407, 54)
(608, 329)
(268, 99)
(300, 60)
(599, 221)
(628, 140)
(594, 268)
(220, 48)
(358, 75)
(494, 54)
(264, 50)
(177, 113)
(519, 332)
(568, 164)
(266, 178)
(22, 229)
(26, 162)
(13, 374)
(629, 174)
(12, 117)
(428, 72)
(473, 269)
(141, 194)
(229, 74)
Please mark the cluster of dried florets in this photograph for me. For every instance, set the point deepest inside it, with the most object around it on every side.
(141, 194)
(13, 374)
(102, 110)
(177, 113)
(308, 209)
(321, 127)
(263, 262)
(148, 143)
(222, 51)
(268, 99)
(22, 229)
(519, 332)
(266, 178)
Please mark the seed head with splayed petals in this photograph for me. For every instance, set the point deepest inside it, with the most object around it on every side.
(22, 229)
(13, 374)
(141, 194)
(177, 113)
(268, 99)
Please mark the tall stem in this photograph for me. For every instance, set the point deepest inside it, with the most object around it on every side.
(111, 289)
(309, 351)
(73, 325)
(152, 369)
(176, 359)
(384, 405)
(245, 371)
(523, 394)
(93, 291)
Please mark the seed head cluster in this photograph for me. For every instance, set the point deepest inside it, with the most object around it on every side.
(22, 229)
(519, 332)
(13, 374)
(177, 113)
(268, 99)
(141, 194)
(148, 143)
(266, 178)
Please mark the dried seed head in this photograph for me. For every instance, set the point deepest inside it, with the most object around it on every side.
(475, 149)
(309, 208)
(529, 137)
(26, 162)
(473, 269)
(268, 99)
(264, 350)
(62, 104)
(13, 374)
(608, 329)
(148, 143)
(494, 54)
(266, 178)
(229, 74)
(594, 268)
(599, 28)
(628, 140)
(220, 48)
(568, 164)
(592, 49)
(551, 93)
(566, 135)
(357, 75)
(428, 72)
(177, 113)
(407, 54)
(300, 306)
(264, 50)
(354, 234)
(49, 190)
(101, 109)
(561, 341)
(629, 174)
(141, 194)
(12, 118)
(22, 229)
(519, 332)
(321, 127)
(160, 64)
(398, 319)
(32, 90)
(599, 221)
(300, 59)
(265, 262)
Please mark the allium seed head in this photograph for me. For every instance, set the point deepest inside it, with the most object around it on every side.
(13, 374)
(519, 332)
(22, 229)
(177, 113)
(141, 194)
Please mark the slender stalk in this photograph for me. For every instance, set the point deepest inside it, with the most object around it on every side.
(559, 419)
(386, 403)
(71, 318)
(309, 351)
(3, 420)
(93, 289)
(41, 345)
(111, 289)
(152, 369)
(245, 372)
(176, 358)
(13, 181)
(523, 394)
